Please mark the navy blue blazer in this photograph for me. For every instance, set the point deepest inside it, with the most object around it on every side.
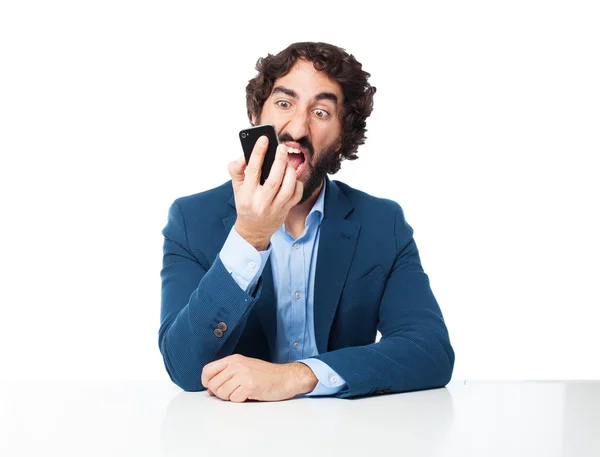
(368, 278)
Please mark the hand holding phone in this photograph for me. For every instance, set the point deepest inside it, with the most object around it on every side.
(262, 209)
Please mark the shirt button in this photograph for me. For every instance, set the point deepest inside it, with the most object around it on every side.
(252, 265)
(298, 295)
(333, 379)
(296, 246)
(296, 345)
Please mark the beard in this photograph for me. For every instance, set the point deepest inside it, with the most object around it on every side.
(315, 172)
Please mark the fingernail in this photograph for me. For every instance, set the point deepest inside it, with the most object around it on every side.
(262, 141)
(283, 149)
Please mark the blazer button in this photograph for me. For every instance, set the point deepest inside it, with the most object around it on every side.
(222, 326)
(218, 332)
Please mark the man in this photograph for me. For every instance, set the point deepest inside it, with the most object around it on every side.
(277, 290)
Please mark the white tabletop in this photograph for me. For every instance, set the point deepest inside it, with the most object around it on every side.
(158, 419)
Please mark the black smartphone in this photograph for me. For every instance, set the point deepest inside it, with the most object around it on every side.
(248, 137)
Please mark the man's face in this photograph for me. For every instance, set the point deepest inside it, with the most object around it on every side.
(305, 108)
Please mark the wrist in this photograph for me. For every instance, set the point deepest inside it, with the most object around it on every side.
(260, 243)
(302, 378)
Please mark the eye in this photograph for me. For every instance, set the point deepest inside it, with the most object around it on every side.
(283, 104)
(321, 113)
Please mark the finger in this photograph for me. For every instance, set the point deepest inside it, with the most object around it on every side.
(216, 382)
(211, 369)
(238, 395)
(286, 191)
(298, 192)
(227, 388)
(273, 182)
(236, 170)
(256, 161)
(211, 393)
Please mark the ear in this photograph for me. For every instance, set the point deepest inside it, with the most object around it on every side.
(254, 119)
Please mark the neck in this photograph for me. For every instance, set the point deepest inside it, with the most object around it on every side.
(297, 216)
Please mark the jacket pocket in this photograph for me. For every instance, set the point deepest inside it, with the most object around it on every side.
(365, 292)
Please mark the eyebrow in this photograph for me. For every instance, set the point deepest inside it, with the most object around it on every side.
(321, 96)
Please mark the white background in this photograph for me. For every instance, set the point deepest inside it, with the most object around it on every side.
(485, 130)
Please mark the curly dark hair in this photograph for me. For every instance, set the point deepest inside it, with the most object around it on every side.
(340, 67)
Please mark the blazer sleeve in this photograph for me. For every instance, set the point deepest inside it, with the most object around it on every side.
(414, 352)
(195, 299)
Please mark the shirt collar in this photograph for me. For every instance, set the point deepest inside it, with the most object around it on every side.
(319, 206)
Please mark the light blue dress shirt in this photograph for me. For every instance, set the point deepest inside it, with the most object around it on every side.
(293, 263)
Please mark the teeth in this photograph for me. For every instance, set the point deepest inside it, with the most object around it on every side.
(294, 151)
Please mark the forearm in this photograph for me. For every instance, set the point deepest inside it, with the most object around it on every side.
(407, 360)
(196, 297)
(188, 342)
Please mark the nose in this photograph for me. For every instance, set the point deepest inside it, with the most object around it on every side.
(297, 126)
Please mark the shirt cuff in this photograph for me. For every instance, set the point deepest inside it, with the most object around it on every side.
(330, 383)
(243, 261)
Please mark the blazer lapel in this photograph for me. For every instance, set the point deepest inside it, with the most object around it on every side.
(336, 249)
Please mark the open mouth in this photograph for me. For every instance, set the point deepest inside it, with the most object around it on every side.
(297, 157)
